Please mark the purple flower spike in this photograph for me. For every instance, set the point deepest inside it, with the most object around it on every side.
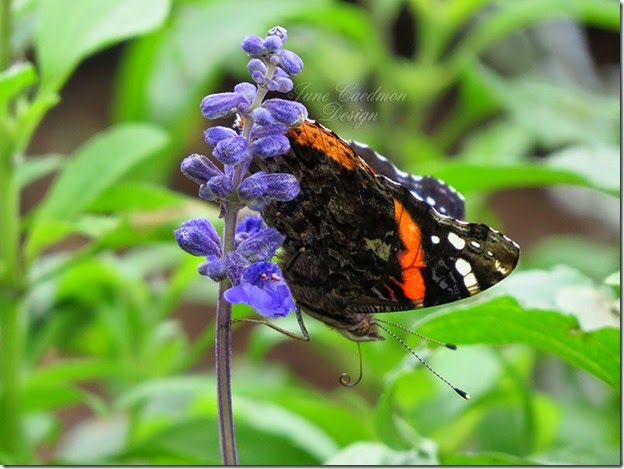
(213, 268)
(290, 62)
(231, 151)
(262, 245)
(263, 289)
(199, 168)
(252, 44)
(214, 135)
(290, 113)
(261, 188)
(198, 237)
(219, 105)
(268, 147)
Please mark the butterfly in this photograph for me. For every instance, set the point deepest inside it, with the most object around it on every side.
(363, 237)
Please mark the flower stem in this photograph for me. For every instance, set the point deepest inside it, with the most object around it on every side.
(12, 443)
(223, 349)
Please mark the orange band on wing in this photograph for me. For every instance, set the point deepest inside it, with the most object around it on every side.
(411, 259)
(313, 135)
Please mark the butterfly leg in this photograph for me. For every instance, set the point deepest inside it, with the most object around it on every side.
(304, 332)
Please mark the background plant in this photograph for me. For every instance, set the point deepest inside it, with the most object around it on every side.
(100, 352)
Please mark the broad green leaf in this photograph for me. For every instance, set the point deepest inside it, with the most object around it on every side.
(70, 31)
(94, 168)
(503, 321)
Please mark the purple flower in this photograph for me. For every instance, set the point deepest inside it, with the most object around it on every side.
(290, 62)
(261, 246)
(277, 128)
(273, 145)
(272, 44)
(290, 113)
(262, 288)
(217, 188)
(253, 45)
(214, 135)
(278, 31)
(247, 227)
(219, 105)
(261, 188)
(257, 69)
(231, 151)
(235, 265)
(198, 237)
(247, 90)
(213, 267)
(199, 168)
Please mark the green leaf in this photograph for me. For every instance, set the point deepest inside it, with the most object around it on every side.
(469, 178)
(15, 80)
(135, 196)
(485, 459)
(36, 167)
(70, 31)
(599, 165)
(273, 419)
(503, 321)
(94, 168)
(377, 454)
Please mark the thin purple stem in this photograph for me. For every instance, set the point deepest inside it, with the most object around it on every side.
(223, 349)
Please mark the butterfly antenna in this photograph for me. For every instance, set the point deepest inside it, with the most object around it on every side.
(403, 328)
(345, 378)
(459, 391)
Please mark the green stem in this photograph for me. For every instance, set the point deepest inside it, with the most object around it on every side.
(223, 349)
(5, 34)
(12, 442)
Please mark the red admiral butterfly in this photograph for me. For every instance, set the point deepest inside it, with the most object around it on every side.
(363, 237)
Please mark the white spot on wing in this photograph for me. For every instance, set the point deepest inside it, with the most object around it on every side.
(435, 239)
(431, 201)
(456, 241)
(463, 266)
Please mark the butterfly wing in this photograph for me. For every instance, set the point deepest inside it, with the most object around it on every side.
(436, 259)
(434, 192)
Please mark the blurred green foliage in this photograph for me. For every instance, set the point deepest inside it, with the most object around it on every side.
(540, 354)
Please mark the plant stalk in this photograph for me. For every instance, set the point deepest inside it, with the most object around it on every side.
(12, 320)
(223, 350)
